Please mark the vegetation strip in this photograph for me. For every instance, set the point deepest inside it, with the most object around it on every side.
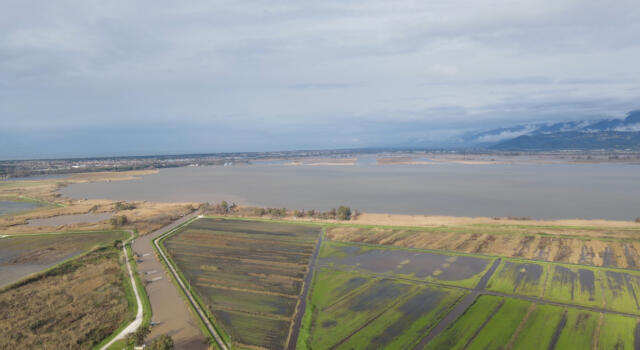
(484, 323)
(137, 322)
(292, 340)
(184, 289)
(556, 333)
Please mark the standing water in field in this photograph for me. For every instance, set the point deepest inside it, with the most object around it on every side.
(8, 207)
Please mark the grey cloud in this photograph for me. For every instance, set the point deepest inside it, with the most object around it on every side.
(271, 71)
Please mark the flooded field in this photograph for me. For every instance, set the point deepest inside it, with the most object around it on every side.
(23, 255)
(71, 219)
(8, 207)
(532, 243)
(542, 191)
(250, 274)
(457, 270)
(354, 311)
(615, 290)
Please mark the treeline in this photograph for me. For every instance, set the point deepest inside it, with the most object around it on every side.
(343, 213)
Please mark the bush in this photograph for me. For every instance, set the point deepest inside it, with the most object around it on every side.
(119, 220)
(638, 220)
(124, 206)
(298, 213)
(137, 337)
(277, 212)
(163, 342)
(343, 213)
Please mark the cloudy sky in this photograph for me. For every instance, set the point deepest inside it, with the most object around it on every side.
(87, 78)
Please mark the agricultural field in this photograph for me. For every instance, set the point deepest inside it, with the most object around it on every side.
(596, 246)
(449, 269)
(248, 274)
(22, 255)
(351, 310)
(603, 288)
(494, 322)
(75, 305)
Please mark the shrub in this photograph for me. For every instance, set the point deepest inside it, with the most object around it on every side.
(124, 206)
(298, 213)
(119, 220)
(137, 337)
(343, 213)
(163, 342)
(638, 220)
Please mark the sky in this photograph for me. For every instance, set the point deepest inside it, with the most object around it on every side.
(108, 78)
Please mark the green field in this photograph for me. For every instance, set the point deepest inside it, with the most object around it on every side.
(350, 310)
(605, 288)
(521, 278)
(494, 322)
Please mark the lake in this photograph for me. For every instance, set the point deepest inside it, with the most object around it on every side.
(541, 191)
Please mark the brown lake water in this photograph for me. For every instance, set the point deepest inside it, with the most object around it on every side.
(541, 191)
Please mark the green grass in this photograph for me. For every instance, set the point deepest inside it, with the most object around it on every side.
(617, 332)
(564, 285)
(514, 277)
(539, 328)
(460, 332)
(349, 310)
(403, 327)
(579, 329)
(619, 291)
(498, 331)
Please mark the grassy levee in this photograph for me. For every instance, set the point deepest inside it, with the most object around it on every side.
(131, 299)
(160, 245)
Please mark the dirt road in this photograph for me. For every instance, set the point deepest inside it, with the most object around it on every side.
(168, 308)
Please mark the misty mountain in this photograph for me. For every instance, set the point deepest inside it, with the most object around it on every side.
(585, 134)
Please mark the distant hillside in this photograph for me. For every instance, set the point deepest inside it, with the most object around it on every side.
(572, 140)
(574, 135)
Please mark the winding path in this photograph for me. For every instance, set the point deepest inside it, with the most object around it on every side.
(133, 326)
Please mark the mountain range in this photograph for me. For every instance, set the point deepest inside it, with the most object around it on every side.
(572, 135)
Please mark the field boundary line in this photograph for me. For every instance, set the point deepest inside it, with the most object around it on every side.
(301, 306)
(157, 242)
(596, 334)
